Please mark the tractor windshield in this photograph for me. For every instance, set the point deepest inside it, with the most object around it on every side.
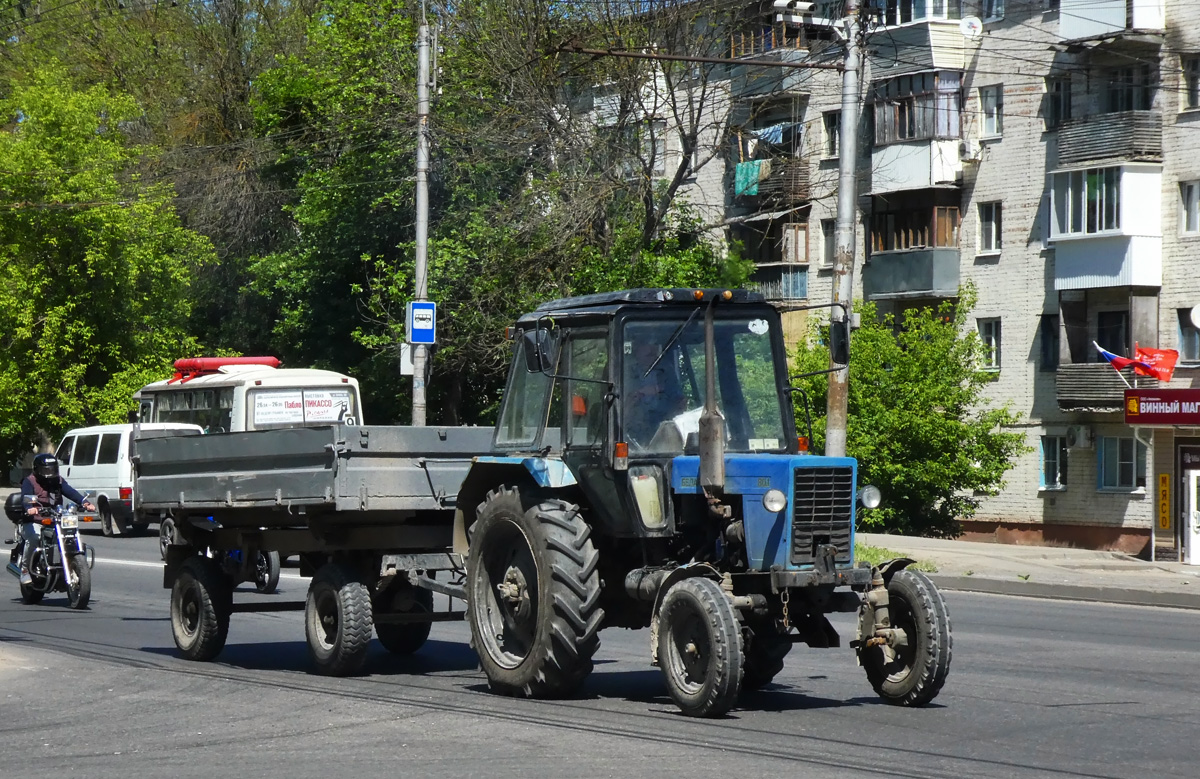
(664, 390)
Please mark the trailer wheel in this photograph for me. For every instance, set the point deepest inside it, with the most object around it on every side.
(910, 675)
(337, 620)
(764, 651)
(405, 638)
(79, 594)
(700, 647)
(533, 595)
(201, 601)
(166, 535)
(266, 572)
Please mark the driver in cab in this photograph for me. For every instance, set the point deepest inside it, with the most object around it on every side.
(653, 394)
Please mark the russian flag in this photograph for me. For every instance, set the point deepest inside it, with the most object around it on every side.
(1119, 362)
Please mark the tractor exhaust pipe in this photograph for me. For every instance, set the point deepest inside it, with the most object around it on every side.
(712, 424)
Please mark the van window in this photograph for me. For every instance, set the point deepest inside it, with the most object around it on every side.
(85, 450)
(110, 446)
(64, 450)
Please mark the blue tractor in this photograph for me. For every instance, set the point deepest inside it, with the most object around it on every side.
(647, 472)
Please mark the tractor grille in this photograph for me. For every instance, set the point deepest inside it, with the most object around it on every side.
(821, 510)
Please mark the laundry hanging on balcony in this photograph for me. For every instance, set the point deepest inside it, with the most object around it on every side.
(748, 174)
(785, 136)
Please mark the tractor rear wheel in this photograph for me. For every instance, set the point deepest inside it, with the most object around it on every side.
(533, 595)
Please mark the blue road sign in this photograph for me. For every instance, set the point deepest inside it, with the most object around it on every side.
(422, 323)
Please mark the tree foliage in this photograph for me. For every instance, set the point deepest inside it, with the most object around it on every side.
(918, 420)
(95, 263)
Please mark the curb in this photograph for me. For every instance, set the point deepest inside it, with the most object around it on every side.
(1174, 600)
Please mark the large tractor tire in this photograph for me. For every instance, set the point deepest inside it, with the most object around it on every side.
(404, 638)
(338, 620)
(910, 675)
(201, 602)
(79, 594)
(700, 647)
(765, 650)
(533, 592)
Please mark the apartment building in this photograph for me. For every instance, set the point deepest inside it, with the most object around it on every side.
(1047, 151)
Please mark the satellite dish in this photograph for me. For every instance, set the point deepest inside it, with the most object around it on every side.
(1195, 317)
(970, 27)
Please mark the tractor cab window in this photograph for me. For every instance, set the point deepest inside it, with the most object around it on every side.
(587, 359)
(523, 409)
(663, 385)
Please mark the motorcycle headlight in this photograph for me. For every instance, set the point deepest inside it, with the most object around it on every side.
(774, 501)
(870, 496)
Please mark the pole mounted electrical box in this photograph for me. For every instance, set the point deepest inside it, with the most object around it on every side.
(421, 323)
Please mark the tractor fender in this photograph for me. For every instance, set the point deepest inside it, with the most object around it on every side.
(687, 571)
(889, 568)
(490, 473)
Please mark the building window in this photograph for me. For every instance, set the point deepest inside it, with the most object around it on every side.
(989, 333)
(833, 132)
(1191, 81)
(1054, 462)
(828, 242)
(1086, 201)
(1050, 343)
(991, 106)
(1058, 101)
(905, 11)
(1122, 463)
(1130, 88)
(921, 228)
(924, 106)
(993, 10)
(1189, 211)
(1189, 336)
(990, 228)
(1112, 333)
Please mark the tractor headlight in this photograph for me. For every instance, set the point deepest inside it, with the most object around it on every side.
(870, 496)
(774, 501)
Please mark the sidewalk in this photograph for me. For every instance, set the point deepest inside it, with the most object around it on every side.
(1049, 572)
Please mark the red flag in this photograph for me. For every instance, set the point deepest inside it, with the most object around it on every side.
(1159, 363)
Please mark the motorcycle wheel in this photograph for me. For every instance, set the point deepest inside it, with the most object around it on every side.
(266, 572)
(79, 595)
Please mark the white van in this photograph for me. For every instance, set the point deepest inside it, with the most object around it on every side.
(96, 460)
(232, 394)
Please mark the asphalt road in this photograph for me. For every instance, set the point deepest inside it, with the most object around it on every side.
(1037, 688)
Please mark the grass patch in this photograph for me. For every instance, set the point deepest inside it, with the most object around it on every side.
(878, 554)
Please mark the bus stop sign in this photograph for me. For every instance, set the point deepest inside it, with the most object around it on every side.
(422, 323)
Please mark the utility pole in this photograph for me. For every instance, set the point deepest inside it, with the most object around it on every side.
(843, 257)
(420, 352)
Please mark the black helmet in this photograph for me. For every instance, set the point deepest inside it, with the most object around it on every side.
(45, 466)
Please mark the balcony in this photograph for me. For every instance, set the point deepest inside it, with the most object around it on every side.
(752, 81)
(918, 46)
(781, 282)
(786, 185)
(918, 164)
(1126, 136)
(1094, 386)
(1081, 19)
(913, 273)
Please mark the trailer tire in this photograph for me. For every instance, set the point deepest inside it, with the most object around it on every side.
(201, 602)
(337, 620)
(700, 647)
(266, 572)
(166, 535)
(405, 638)
(911, 675)
(765, 651)
(533, 595)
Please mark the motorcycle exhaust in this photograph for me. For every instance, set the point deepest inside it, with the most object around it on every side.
(14, 569)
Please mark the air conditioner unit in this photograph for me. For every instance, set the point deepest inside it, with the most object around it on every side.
(969, 151)
(1080, 437)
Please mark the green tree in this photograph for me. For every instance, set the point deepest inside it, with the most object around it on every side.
(919, 423)
(95, 265)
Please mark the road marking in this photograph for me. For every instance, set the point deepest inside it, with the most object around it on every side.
(144, 564)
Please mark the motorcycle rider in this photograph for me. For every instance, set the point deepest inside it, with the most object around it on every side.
(48, 490)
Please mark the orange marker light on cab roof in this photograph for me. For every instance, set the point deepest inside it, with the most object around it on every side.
(698, 294)
(727, 295)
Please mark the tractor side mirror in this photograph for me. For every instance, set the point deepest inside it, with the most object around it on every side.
(540, 350)
(839, 341)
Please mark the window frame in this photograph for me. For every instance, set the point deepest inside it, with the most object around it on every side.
(990, 334)
(1071, 204)
(1189, 210)
(1188, 336)
(1130, 88)
(991, 111)
(1138, 456)
(1060, 457)
(992, 10)
(991, 228)
(1057, 108)
(1189, 71)
(831, 146)
(1050, 342)
(828, 242)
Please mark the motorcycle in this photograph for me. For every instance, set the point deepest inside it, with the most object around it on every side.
(61, 562)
